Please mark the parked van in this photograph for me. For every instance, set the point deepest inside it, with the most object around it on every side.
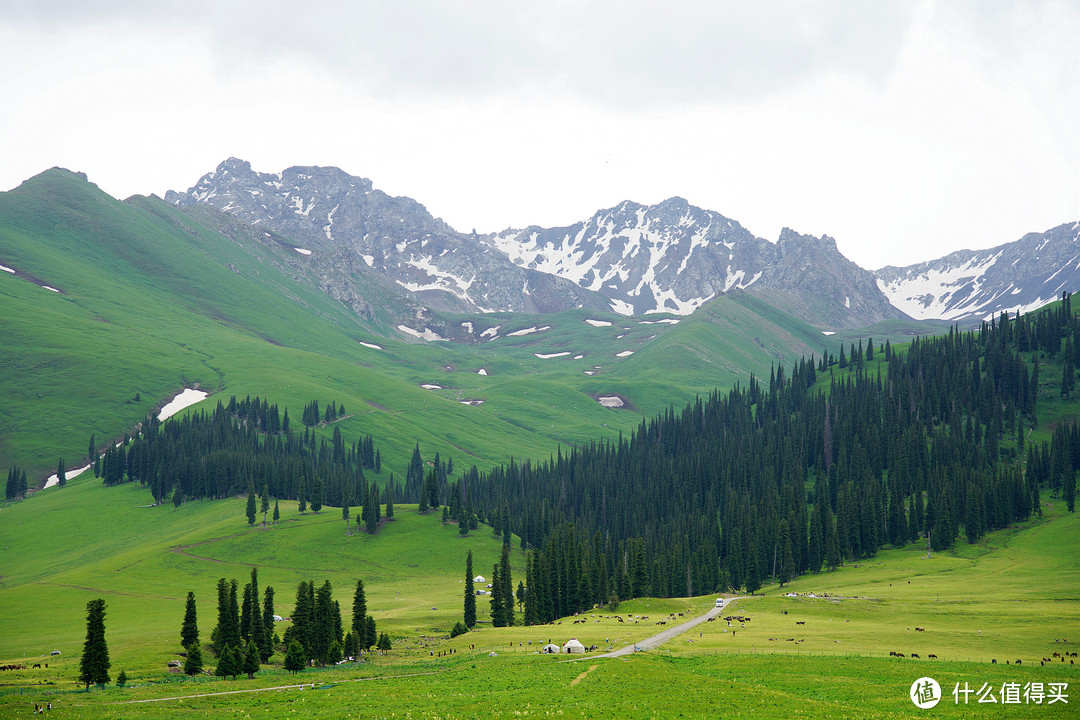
(719, 602)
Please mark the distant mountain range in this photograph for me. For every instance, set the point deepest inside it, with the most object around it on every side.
(633, 259)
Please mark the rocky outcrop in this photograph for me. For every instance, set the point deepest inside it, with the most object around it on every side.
(341, 223)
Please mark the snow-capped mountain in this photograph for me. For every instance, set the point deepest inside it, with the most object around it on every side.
(326, 212)
(368, 248)
(978, 284)
(673, 257)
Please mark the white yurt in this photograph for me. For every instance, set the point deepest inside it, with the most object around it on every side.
(479, 578)
(551, 648)
(573, 646)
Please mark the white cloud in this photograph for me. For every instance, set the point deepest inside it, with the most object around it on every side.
(903, 130)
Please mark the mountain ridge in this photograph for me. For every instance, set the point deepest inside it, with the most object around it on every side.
(670, 257)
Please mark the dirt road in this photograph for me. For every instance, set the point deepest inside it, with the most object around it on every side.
(668, 634)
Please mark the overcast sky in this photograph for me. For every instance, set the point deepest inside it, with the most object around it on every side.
(905, 130)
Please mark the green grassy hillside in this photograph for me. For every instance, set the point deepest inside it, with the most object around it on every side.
(152, 299)
(143, 560)
(1011, 596)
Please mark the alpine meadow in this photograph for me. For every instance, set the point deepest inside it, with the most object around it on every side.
(643, 466)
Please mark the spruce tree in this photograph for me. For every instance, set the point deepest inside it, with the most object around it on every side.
(245, 614)
(323, 625)
(189, 630)
(265, 502)
(193, 664)
(61, 476)
(753, 575)
(531, 592)
(498, 607)
(233, 634)
(370, 635)
(268, 623)
(317, 495)
(1068, 489)
(384, 643)
(351, 647)
(251, 504)
(816, 545)
(226, 666)
(470, 593)
(507, 591)
(787, 559)
(94, 663)
(277, 515)
(294, 658)
(359, 610)
(251, 659)
(256, 629)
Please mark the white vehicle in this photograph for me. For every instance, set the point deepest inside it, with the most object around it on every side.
(719, 602)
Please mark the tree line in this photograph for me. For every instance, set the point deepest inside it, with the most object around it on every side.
(245, 444)
(820, 466)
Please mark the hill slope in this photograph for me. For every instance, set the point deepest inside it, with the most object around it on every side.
(151, 298)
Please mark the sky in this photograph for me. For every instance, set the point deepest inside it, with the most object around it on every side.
(904, 130)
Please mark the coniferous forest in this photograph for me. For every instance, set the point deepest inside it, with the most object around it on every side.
(821, 466)
(825, 464)
(246, 443)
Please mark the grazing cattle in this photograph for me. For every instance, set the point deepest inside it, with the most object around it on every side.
(914, 655)
(993, 661)
(892, 653)
(919, 629)
(1019, 662)
(899, 654)
(931, 656)
(37, 665)
(800, 622)
(1057, 654)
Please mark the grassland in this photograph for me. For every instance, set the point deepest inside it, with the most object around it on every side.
(152, 299)
(1008, 597)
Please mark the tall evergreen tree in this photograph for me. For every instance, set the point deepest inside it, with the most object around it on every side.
(265, 502)
(787, 559)
(193, 664)
(251, 504)
(61, 475)
(189, 630)
(390, 498)
(507, 591)
(294, 658)
(498, 609)
(232, 635)
(268, 622)
(359, 609)
(94, 663)
(251, 659)
(317, 494)
(226, 666)
(470, 593)
(753, 574)
(257, 629)
(323, 625)
(370, 633)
